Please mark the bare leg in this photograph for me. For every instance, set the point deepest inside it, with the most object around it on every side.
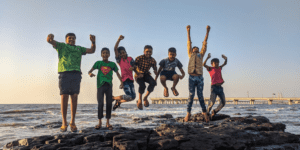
(146, 98)
(187, 117)
(120, 99)
(107, 122)
(140, 97)
(64, 108)
(100, 123)
(74, 98)
(163, 80)
(175, 80)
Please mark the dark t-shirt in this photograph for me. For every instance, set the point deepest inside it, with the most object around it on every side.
(168, 65)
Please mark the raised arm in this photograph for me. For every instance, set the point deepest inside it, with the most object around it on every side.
(121, 37)
(93, 47)
(223, 56)
(189, 42)
(204, 64)
(90, 72)
(50, 40)
(204, 44)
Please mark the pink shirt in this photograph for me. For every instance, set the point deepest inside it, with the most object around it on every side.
(216, 75)
(125, 65)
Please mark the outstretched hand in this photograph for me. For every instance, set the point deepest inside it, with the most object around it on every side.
(50, 37)
(207, 28)
(223, 56)
(92, 75)
(208, 56)
(188, 27)
(92, 38)
(140, 75)
(121, 37)
(121, 86)
(180, 77)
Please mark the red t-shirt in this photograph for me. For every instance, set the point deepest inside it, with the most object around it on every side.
(125, 65)
(216, 75)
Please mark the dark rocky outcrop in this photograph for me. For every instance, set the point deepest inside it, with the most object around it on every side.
(223, 132)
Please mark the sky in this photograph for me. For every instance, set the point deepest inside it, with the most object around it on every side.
(260, 39)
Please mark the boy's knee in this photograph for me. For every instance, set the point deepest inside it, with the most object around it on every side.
(163, 78)
(175, 77)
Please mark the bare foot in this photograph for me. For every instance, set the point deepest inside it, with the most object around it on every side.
(206, 117)
(187, 117)
(146, 103)
(109, 126)
(139, 104)
(166, 92)
(213, 113)
(175, 92)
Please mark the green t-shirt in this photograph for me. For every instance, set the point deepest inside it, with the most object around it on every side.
(69, 57)
(105, 72)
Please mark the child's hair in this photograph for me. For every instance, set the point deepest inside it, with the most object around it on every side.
(121, 48)
(172, 49)
(105, 49)
(216, 60)
(71, 34)
(148, 46)
(195, 47)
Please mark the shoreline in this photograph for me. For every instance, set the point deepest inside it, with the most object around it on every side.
(223, 132)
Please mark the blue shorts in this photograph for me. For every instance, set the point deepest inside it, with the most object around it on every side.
(168, 74)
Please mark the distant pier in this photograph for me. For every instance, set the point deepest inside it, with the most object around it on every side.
(231, 100)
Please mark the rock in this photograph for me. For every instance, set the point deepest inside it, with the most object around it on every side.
(223, 132)
(93, 138)
(51, 146)
(167, 144)
(109, 135)
(11, 144)
(167, 116)
(49, 125)
(51, 141)
(237, 114)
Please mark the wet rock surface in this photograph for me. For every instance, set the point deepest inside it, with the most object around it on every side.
(48, 125)
(223, 132)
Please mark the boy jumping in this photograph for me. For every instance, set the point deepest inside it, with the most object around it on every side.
(69, 56)
(143, 64)
(216, 82)
(195, 70)
(168, 66)
(126, 64)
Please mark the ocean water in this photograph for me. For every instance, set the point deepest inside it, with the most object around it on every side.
(17, 120)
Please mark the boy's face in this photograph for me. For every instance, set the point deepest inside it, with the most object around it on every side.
(148, 52)
(215, 64)
(196, 50)
(123, 54)
(105, 55)
(172, 56)
(70, 40)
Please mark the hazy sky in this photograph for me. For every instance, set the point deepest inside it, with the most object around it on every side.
(260, 38)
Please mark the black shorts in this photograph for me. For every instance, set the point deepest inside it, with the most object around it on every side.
(168, 74)
(69, 82)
